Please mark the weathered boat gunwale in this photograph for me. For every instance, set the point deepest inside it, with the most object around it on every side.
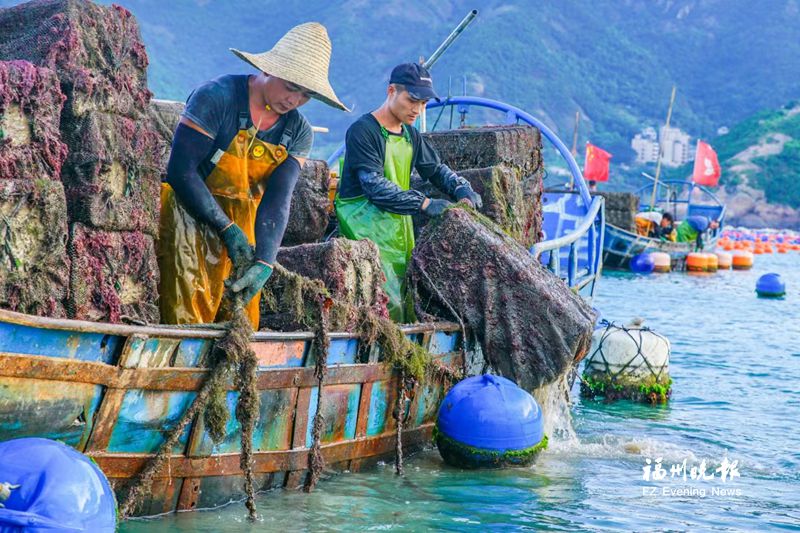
(193, 331)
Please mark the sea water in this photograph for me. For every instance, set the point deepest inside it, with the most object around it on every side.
(735, 408)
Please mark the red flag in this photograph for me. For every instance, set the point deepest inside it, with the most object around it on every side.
(595, 168)
(706, 166)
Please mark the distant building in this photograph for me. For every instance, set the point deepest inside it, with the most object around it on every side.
(645, 144)
(676, 143)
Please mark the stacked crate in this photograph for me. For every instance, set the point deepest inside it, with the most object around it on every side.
(111, 175)
(504, 165)
(33, 223)
(621, 209)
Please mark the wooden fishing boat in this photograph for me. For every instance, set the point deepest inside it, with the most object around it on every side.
(680, 198)
(115, 391)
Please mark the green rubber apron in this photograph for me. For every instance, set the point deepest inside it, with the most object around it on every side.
(394, 234)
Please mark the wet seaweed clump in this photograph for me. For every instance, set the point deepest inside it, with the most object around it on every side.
(531, 326)
(114, 276)
(651, 390)
(30, 113)
(350, 273)
(511, 200)
(466, 456)
(34, 267)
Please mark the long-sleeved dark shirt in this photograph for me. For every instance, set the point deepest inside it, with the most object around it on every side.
(363, 174)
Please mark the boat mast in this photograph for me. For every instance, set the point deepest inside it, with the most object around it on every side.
(574, 146)
(661, 152)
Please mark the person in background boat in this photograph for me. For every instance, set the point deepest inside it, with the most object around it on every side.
(236, 157)
(374, 200)
(666, 229)
(647, 222)
(592, 186)
(693, 229)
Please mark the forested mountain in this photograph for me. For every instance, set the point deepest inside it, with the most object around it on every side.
(615, 61)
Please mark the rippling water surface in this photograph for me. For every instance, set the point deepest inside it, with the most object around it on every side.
(736, 369)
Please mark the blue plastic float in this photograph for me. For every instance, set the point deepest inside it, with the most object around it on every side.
(46, 486)
(642, 264)
(489, 422)
(770, 286)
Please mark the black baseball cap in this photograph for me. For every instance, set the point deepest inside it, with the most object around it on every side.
(416, 79)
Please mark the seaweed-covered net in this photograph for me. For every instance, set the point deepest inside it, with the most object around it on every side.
(531, 326)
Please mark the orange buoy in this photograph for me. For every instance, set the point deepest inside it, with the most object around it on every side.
(696, 262)
(712, 262)
(724, 260)
(782, 249)
(662, 262)
(742, 260)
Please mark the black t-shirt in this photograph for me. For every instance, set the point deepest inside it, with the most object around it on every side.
(218, 106)
(366, 150)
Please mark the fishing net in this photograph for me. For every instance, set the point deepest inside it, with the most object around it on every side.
(531, 326)
(518, 147)
(114, 276)
(33, 234)
(510, 200)
(164, 116)
(309, 215)
(112, 176)
(628, 362)
(30, 110)
(349, 270)
(96, 51)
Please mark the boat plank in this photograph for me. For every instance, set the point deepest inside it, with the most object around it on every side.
(121, 465)
(173, 379)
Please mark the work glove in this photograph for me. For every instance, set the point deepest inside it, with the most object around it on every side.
(436, 207)
(239, 249)
(252, 281)
(466, 193)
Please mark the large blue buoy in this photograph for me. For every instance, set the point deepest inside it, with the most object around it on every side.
(47, 486)
(489, 422)
(770, 286)
(642, 264)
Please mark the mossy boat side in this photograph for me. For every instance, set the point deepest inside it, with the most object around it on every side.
(115, 391)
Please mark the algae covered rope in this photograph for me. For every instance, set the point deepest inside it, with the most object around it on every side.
(399, 415)
(142, 482)
(316, 462)
(231, 352)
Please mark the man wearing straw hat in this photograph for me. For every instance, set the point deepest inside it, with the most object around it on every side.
(236, 156)
(375, 200)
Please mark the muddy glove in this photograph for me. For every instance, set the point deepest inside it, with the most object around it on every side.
(252, 281)
(239, 249)
(436, 207)
(465, 192)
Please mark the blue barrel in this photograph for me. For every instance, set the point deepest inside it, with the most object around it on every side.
(642, 263)
(770, 286)
(47, 486)
(489, 422)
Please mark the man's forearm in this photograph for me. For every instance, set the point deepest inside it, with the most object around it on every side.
(388, 196)
(189, 147)
(448, 181)
(272, 216)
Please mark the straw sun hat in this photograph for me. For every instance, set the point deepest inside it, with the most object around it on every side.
(302, 56)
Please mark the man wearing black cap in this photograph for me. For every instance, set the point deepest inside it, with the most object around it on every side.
(374, 200)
